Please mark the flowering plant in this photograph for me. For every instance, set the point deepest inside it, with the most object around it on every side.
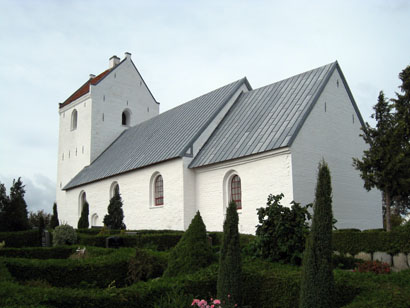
(213, 303)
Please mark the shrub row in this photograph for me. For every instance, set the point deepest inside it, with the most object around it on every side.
(101, 271)
(29, 238)
(370, 241)
(159, 241)
(264, 285)
(59, 252)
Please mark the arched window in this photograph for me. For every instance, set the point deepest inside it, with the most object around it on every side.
(82, 198)
(159, 191)
(115, 188)
(94, 220)
(236, 191)
(126, 117)
(74, 116)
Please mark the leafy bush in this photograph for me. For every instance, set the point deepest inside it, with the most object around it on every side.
(17, 239)
(145, 265)
(345, 262)
(192, 251)
(64, 235)
(281, 232)
(374, 267)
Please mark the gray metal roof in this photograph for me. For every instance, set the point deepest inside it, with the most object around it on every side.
(161, 138)
(266, 118)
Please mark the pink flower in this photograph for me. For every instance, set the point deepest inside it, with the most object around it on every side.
(202, 303)
(229, 295)
(217, 302)
(195, 301)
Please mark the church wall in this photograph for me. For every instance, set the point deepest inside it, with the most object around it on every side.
(260, 174)
(332, 131)
(122, 89)
(135, 193)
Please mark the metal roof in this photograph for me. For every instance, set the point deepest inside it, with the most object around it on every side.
(266, 118)
(159, 139)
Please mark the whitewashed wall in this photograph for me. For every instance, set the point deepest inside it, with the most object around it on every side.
(261, 175)
(332, 132)
(135, 192)
(122, 89)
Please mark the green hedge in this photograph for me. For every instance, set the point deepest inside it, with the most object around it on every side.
(159, 241)
(102, 271)
(370, 241)
(265, 285)
(29, 238)
(59, 252)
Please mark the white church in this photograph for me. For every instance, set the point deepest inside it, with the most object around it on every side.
(233, 143)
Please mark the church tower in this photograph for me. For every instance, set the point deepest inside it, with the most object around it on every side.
(97, 113)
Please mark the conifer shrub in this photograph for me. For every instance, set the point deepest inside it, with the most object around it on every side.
(192, 251)
(317, 285)
(114, 218)
(54, 218)
(230, 266)
(83, 221)
(64, 235)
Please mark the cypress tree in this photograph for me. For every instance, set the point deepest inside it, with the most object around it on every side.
(15, 212)
(41, 227)
(115, 216)
(192, 251)
(230, 269)
(317, 285)
(83, 221)
(54, 218)
(4, 205)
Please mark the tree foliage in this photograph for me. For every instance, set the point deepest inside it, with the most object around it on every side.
(34, 218)
(54, 218)
(317, 284)
(192, 251)
(386, 163)
(230, 266)
(281, 232)
(64, 235)
(83, 221)
(14, 208)
(114, 218)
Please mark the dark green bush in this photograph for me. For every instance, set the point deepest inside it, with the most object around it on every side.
(192, 251)
(345, 262)
(281, 232)
(64, 235)
(17, 239)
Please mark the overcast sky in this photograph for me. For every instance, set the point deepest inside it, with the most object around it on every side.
(182, 49)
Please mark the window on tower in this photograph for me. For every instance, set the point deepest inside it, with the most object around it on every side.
(74, 116)
(126, 117)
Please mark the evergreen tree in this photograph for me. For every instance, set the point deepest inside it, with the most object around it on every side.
(4, 206)
(230, 268)
(34, 218)
(54, 218)
(386, 164)
(192, 251)
(15, 211)
(83, 221)
(115, 216)
(41, 228)
(317, 285)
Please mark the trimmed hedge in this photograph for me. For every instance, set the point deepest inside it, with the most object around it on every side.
(266, 285)
(370, 241)
(59, 252)
(159, 241)
(29, 238)
(102, 271)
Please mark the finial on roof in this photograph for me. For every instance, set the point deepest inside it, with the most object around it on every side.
(127, 55)
(92, 76)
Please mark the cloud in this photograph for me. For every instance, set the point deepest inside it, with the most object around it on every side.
(40, 192)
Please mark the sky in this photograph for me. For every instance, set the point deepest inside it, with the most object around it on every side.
(182, 49)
